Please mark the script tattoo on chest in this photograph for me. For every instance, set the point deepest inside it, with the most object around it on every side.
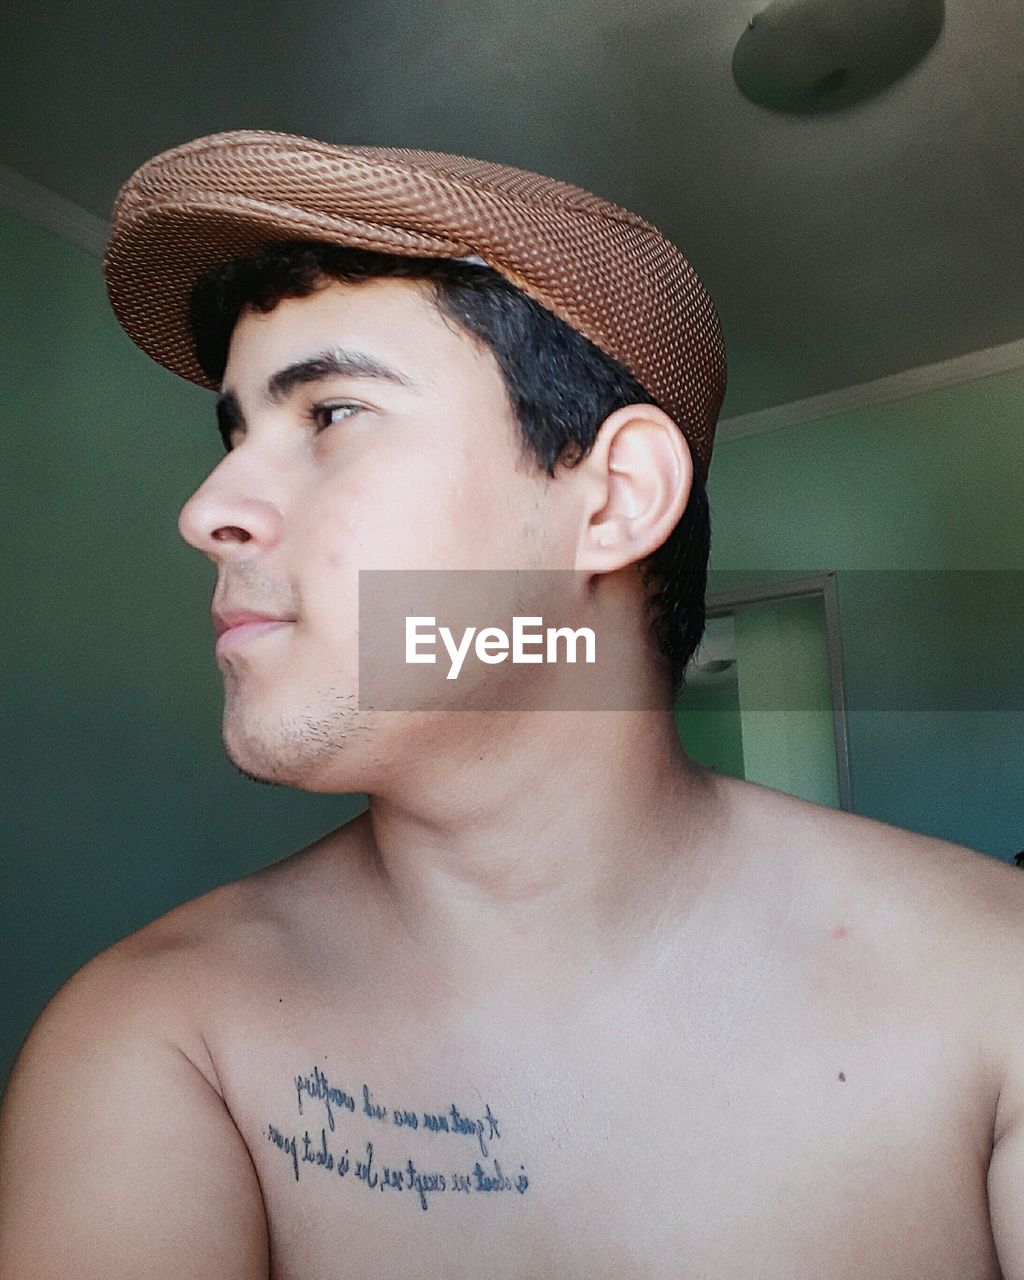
(343, 1118)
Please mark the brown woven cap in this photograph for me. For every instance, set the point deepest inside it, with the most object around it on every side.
(602, 269)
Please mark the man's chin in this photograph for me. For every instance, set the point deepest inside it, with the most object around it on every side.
(253, 754)
(307, 766)
(257, 777)
(252, 763)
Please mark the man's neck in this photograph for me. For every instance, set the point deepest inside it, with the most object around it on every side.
(550, 861)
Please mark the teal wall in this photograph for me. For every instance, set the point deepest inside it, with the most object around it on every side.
(120, 802)
(917, 506)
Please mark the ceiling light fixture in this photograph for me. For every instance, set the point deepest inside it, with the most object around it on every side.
(820, 55)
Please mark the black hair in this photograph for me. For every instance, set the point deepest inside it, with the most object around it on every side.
(560, 385)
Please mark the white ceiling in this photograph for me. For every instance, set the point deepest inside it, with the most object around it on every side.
(838, 248)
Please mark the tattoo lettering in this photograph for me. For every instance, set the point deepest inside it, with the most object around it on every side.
(369, 1169)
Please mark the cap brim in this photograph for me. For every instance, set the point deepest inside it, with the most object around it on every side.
(601, 268)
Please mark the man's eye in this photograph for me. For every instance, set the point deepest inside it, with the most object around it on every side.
(318, 414)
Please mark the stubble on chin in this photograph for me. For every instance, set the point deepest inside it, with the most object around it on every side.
(300, 750)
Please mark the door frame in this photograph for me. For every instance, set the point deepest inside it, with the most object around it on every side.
(718, 604)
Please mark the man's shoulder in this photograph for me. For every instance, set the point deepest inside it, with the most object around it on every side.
(869, 853)
(923, 898)
(123, 1036)
(938, 882)
(152, 982)
(940, 920)
(257, 911)
(174, 975)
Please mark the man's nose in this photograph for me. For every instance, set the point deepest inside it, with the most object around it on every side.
(230, 508)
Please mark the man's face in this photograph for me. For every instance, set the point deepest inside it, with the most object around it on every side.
(423, 473)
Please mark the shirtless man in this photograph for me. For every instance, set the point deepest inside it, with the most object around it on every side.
(560, 1002)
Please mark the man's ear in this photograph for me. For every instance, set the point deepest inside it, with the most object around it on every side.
(636, 484)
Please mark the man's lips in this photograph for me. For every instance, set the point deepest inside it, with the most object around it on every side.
(236, 626)
(243, 632)
(225, 619)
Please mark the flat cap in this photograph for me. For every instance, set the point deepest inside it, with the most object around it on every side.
(605, 271)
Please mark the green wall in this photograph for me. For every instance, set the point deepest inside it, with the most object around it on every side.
(120, 801)
(916, 505)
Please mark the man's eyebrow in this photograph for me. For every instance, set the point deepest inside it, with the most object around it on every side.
(335, 362)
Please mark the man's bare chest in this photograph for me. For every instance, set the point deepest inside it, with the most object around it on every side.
(664, 1151)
